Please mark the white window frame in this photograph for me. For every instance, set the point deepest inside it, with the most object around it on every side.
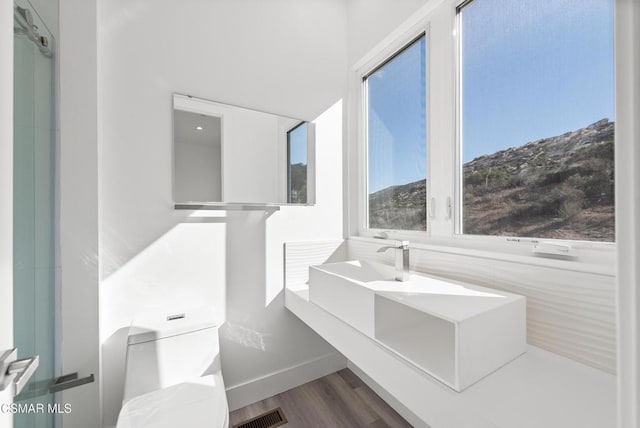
(379, 59)
(492, 240)
(287, 151)
(439, 22)
(283, 161)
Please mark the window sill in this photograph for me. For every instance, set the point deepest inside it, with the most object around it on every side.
(498, 251)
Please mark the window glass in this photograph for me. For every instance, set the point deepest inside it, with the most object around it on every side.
(395, 128)
(537, 118)
(297, 164)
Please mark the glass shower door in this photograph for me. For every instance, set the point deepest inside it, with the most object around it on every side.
(34, 209)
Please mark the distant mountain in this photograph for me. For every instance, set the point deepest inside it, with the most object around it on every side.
(558, 187)
(399, 207)
(298, 183)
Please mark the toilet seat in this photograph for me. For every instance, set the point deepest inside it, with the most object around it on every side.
(200, 402)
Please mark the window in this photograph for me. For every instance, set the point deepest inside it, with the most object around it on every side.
(395, 138)
(536, 119)
(297, 164)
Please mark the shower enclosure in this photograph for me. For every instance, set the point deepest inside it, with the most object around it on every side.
(34, 227)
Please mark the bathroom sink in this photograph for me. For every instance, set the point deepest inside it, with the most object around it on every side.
(456, 332)
(346, 290)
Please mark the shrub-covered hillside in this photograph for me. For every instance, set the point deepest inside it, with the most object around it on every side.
(558, 187)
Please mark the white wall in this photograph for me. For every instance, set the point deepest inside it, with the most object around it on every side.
(628, 209)
(370, 21)
(78, 160)
(283, 56)
(6, 190)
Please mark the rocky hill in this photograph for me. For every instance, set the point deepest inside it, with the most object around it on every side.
(298, 177)
(558, 187)
(399, 207)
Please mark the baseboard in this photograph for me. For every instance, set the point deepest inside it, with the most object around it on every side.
(258, 389)
(396, 405)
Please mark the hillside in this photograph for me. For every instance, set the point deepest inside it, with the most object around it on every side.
(558, 187)
(298, 177)
(399, 207)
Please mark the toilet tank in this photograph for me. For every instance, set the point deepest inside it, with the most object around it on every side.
(169, 347)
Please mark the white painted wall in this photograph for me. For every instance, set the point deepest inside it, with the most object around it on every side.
(628, 209)
(283, 56)
(370, 21)
(6, 188)
(6, 175)
(78, 160)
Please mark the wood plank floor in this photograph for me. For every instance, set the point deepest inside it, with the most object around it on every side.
(339, 400)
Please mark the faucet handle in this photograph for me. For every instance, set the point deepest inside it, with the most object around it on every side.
(404, 245)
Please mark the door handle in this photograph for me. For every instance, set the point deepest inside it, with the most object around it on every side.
(23, 370)
(69, 381)
(17, 372)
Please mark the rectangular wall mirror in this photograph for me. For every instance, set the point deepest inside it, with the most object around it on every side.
(229, 154)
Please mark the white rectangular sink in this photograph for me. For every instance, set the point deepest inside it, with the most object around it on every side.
(456, 332)
(344, 289)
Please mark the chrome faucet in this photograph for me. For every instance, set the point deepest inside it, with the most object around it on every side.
(402, 258)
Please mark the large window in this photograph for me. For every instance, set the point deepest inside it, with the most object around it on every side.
(395, 128)
(537, 119)
(297, 164)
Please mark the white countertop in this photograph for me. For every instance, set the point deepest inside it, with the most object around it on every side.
(538, 389)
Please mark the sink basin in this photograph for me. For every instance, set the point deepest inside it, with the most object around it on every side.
(456, 332)
(346, 290)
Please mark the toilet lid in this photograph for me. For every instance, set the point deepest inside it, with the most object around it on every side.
(197, 403)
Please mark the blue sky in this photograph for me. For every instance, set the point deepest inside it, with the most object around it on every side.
(298, 144)
(534, 69)
(396, 127)
(531, 69)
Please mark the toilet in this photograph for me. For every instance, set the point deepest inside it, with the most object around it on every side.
(173, 376)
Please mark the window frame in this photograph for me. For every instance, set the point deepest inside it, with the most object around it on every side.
(288, 161)
(458, 181)
(439, 21)
(377, 61)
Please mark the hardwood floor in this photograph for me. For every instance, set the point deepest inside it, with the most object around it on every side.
(339, 400)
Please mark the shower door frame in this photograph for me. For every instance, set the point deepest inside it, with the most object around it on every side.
(56, 418)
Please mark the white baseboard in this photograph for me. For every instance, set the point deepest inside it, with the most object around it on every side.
(258, 389)
(396, 405)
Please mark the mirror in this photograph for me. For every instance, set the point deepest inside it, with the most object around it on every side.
(229, 154)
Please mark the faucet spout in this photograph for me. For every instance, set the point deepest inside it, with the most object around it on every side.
(402, 259)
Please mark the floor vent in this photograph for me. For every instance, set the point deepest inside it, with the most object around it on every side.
(270, 419)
